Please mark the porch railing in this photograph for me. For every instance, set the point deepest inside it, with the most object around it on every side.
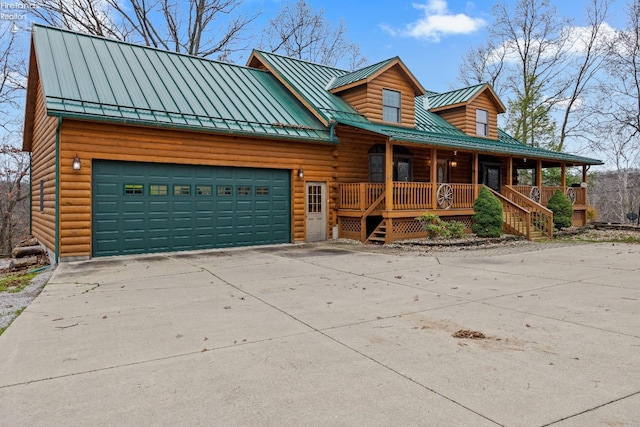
(547, 192)
(540, 218)
(358, 196)
(412, 195)
(516, 219)
(406, 196)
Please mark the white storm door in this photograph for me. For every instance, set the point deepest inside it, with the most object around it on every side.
(316, 211)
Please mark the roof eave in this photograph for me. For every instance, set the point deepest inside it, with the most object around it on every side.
(177, 126)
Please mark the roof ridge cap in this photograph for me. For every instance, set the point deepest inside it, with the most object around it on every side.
(301, 60)
(457, 90)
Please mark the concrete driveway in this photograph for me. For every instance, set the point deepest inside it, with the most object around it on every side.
(323, 335)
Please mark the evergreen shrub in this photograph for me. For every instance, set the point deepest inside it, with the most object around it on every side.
(487, 217)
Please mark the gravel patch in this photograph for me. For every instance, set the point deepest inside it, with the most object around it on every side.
(11, 304)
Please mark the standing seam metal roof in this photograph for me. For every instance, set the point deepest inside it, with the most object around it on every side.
(454, 97)
(310, 81)
(361, 74)
(90, 77)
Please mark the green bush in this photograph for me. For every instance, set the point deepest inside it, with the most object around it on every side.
(562, 210)
(487, 217)
(437, 228)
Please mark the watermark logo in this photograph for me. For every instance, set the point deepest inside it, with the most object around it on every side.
(17, 14)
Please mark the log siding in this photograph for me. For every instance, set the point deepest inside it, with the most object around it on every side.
(105, 141)
(43, 168)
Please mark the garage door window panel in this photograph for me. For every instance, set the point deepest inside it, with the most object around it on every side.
(133, 189)
(181, 190)
(225, 190)
(203, 190)
(158, 190)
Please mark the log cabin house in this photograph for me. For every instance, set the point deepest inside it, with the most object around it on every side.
(138, 150)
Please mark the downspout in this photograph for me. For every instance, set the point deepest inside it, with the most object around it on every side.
(30, 193)
(57, 187)
(332, 129)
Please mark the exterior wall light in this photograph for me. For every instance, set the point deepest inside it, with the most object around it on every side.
(300, 173)
(76, 163)
(453, 163)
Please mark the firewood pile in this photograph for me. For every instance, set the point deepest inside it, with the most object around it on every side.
(27, 254)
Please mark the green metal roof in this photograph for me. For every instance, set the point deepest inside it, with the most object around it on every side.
(99, 79)
(361, 74)
(90, 77)
(454, 97)
(311, 81)
(465, 142)
(431, 122)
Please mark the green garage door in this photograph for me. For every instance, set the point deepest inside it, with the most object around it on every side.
(149, 207)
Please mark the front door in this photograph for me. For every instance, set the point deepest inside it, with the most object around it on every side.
(316, 211)
(492, 177)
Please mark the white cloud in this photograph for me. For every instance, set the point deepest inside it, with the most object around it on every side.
(437, 21)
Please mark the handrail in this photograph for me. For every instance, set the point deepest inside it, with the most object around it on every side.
(541, 217)
(374, 205)
(514, 216)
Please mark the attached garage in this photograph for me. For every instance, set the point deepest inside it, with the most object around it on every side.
(153, 207)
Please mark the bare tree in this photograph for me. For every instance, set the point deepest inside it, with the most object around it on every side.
(543, 63)
(622, 87)
(205, 28)
(300, 32)
(614, 119)
(12, 77)
(589, 57)
(14, 164)
(14, 190)
(535, 44)
(484, 64)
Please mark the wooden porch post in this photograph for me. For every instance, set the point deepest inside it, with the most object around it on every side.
(510, 171)
(388, 176)
(434, 177)
(584, 173)
(538, 173)
(563, 176)
(475, 180)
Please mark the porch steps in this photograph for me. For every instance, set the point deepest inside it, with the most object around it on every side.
(378, 235)
(520, 226)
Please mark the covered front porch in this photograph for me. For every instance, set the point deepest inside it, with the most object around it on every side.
(386, 211)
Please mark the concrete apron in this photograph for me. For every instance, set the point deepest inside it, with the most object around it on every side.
(315, 335)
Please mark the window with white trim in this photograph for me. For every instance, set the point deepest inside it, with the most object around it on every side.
(391, 106)
(482, 122)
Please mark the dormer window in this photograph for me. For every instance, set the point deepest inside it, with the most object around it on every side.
(482, 122)
(390, 106)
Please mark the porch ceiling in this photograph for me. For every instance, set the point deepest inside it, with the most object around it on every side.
(504, 146)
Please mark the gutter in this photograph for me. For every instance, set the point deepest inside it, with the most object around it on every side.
(57, 187)
(30, 193)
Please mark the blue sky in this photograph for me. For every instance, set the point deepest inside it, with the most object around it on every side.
(443, 30)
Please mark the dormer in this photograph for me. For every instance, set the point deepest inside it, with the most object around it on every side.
(382, 92)
(474, 109)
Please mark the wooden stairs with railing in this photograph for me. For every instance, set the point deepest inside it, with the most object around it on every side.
(516, 224)
(378, 235)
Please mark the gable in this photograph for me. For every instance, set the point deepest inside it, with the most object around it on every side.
(368, 99)
(460, 108)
